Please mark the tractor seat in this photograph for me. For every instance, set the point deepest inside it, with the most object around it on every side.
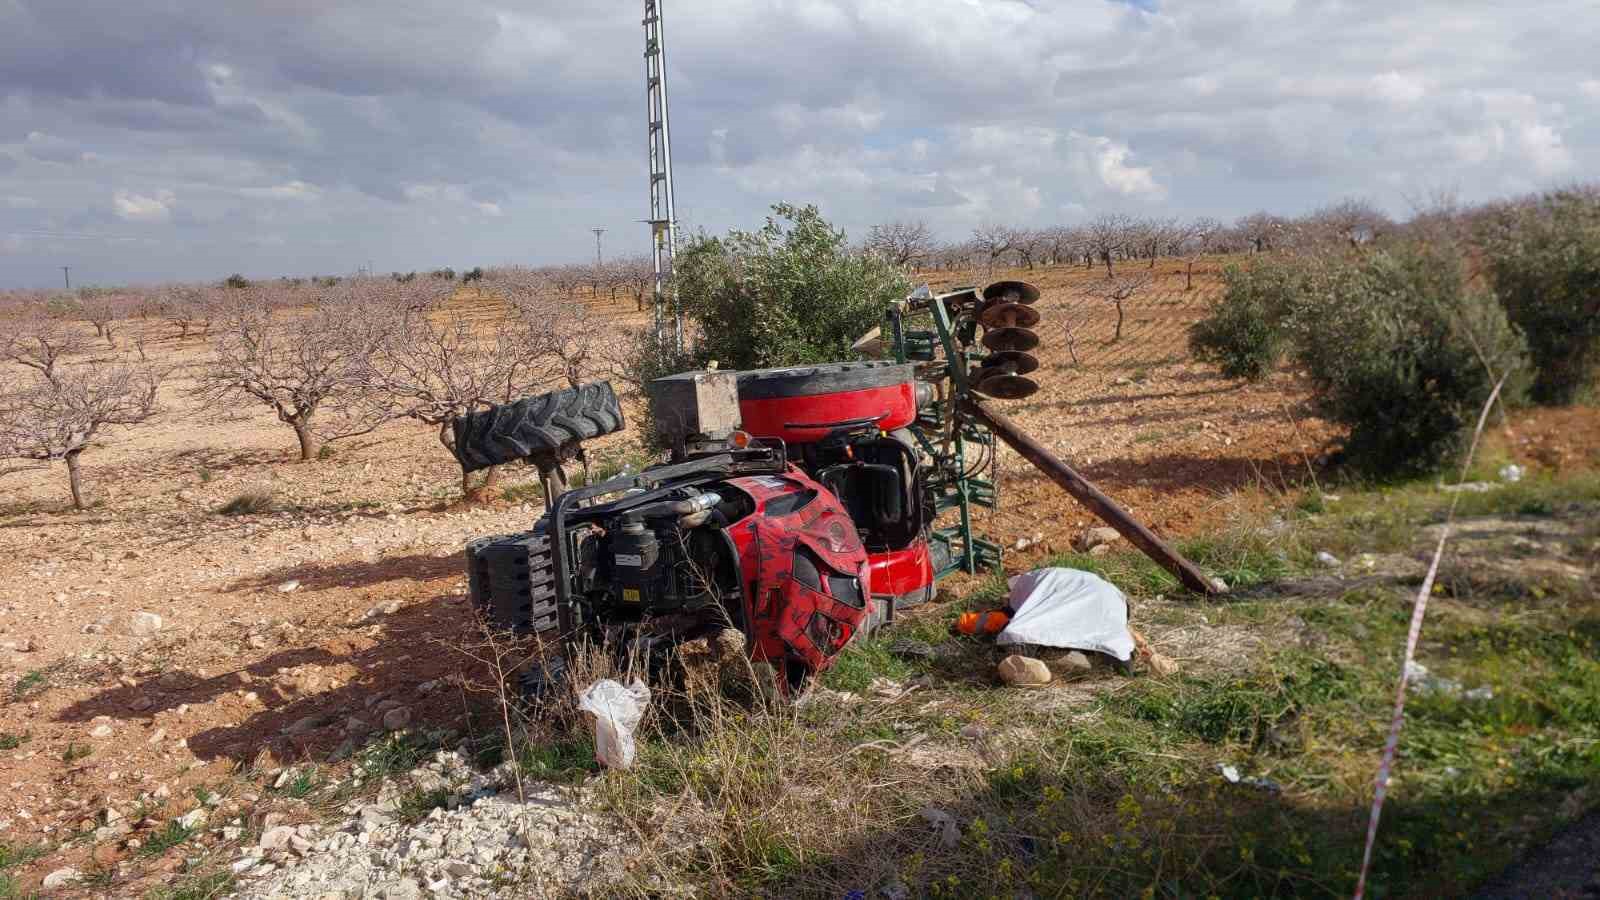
(873, 494)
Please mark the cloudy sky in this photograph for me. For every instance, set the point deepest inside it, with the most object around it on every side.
(153, 139)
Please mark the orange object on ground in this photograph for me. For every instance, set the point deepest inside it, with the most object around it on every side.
(991, 622)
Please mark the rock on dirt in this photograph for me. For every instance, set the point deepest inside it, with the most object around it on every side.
(397, 718)
(143, 624)
(60, 878)
(1095, 537)
(277, 837)
(1024, 671)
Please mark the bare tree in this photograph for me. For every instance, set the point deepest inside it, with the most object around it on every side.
(1116, 290)
(1154, 237)
(187, 308)
(56, 413)
(100, 308)
(311, 368)
(565, 332)
(992, 242)
(1351, 222)
(1028, 244)
(41, 341)
(1195, 240)
(905, 244)
(1262, 230)
(435, 368)
(1107, 235)
(1063, 243)
(640, 275)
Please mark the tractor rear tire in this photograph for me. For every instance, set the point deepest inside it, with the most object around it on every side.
(544, 425)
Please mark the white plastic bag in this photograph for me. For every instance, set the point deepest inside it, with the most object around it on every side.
(617, 711)
(1070, 609)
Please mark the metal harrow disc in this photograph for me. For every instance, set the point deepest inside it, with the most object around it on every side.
(1012, 291)
(1003, 386)
(1002, 339)
(1011, 362)
(1006, 314)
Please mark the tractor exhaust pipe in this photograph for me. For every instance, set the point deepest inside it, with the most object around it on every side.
(1098, 503)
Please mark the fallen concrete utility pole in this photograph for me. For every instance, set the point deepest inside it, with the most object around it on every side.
(1098, 503)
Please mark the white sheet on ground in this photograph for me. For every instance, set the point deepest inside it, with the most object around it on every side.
(1070, 609)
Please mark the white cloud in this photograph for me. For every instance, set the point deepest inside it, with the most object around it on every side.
(19, 202)
(1590, 87)
(141, 208)
(1111, 162)
(292, 190)
(489, 209)
(1397, 88)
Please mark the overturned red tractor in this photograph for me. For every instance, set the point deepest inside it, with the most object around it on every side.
(798, 505)
(791, 509)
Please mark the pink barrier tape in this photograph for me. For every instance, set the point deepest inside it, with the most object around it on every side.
(1418, 610)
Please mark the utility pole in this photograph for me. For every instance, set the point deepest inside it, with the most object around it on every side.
(662, 221)
(66, 276)
(597, 233)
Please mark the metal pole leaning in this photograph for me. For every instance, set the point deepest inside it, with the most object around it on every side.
(1090, 496)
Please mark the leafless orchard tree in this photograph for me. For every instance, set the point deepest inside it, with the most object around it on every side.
(992, 242)
(565, 332)
(1029, 244)
(54, 410)
(100, 308)
(1063, 242)
(41, 341)
(1195, 240)
(435, 367)
(1118, 289)
(1353, 223)
(639, 274)
(1150, 238)
(906, 244)
(188, 307)
(310, 367)
(1263, 231)
(1107, 235)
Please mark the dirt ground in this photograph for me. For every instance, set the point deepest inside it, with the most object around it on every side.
(281, 632)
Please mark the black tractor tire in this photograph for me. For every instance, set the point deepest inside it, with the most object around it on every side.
(824, 378)
(536, 426)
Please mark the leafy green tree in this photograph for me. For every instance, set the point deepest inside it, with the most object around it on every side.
(1401, 348)
(1243, 335)
(1543, 261)
(789, 293)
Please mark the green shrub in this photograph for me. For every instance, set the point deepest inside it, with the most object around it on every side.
(1243, 334)
(1401, 350)
(473, 274)
(236, 281)
(1543, 261)
(790, 293)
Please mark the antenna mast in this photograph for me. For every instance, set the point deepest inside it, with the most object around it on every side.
(663, 220)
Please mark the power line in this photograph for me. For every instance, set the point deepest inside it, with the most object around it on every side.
(67, 276)
(597, 233)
